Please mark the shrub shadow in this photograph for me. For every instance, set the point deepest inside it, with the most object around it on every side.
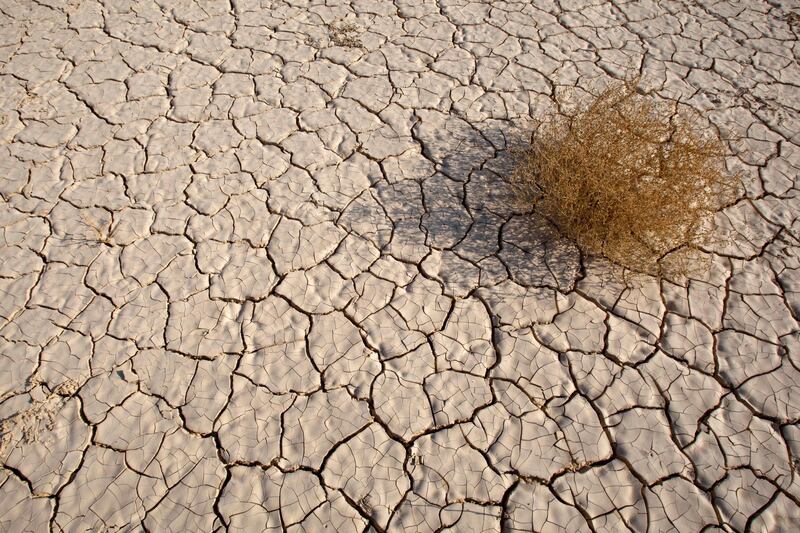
(473, 211)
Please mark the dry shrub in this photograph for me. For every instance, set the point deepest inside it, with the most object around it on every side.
(629, 178)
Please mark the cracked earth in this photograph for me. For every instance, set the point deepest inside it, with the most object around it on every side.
(261, 270)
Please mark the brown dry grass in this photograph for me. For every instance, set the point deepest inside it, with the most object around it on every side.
(629, 178)
(345, 34)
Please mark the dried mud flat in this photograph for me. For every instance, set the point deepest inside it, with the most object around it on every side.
(260, 271)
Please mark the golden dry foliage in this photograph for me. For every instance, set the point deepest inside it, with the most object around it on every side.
(628, 178)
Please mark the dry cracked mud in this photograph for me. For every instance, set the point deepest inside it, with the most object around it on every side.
(261, 271)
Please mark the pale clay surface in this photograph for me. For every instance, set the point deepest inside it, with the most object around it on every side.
(260, 271)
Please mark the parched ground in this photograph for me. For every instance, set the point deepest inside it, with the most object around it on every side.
(260, 271)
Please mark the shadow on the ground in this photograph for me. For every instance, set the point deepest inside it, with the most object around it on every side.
(473, 211)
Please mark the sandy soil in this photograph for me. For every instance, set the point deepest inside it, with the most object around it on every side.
(260, 271)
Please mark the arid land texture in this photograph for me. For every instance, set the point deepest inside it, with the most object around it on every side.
(261, 270)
